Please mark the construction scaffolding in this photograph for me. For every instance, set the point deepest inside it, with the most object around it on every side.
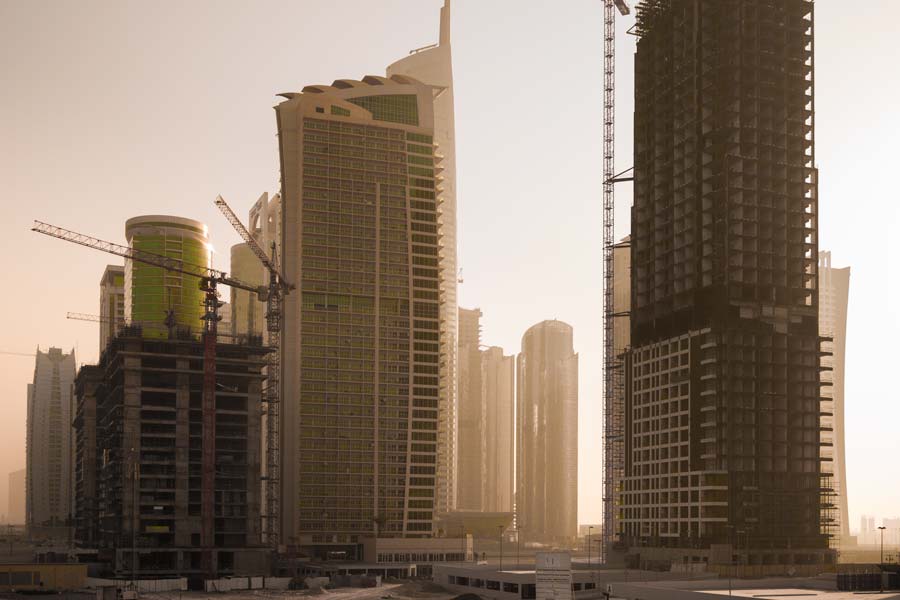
(723, 405)
(274, 298)
(209, 279)
(613, 419)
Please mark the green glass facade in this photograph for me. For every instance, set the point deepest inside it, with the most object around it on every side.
(150, 292)
(394, 108)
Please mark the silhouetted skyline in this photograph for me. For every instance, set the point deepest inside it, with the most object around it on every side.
(113, 110)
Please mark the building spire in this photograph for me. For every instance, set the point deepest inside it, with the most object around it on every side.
(444, 39)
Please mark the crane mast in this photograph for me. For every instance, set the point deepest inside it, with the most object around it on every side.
(612, 421)
(277, 289)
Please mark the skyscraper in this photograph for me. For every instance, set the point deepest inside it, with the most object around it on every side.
(547, 434)
(360, 180)
(15, 510)
(151, 292)
(112, 303)
(48, 444)
(722, 380)
(498, 375)
(614, 415)
(248, 314)
(433, 66)
(834, 292)
(486, 421)
(471, 413)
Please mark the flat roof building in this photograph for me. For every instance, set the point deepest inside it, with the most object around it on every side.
(472, 432)
(112, 303)
(486, 467)
(15, 509)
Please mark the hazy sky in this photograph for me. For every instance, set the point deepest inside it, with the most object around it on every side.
(110, 109)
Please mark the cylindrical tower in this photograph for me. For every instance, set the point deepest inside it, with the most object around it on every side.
(150, 292)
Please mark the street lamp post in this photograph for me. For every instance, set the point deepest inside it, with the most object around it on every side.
(881, 563)
(517, 548)
(462, 543)
(590, 528)
(500, 533)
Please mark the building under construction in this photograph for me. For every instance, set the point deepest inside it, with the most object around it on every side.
(723, 460)
(139, 457)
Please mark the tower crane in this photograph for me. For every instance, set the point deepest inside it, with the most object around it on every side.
(612, 427)
(210, 279)
(276, 291)
(168, 322)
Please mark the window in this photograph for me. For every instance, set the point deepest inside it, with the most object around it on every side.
(396, 108)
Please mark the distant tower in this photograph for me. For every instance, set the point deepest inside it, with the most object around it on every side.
(498, 375)
(112, 303)
(16, 507)
(834, 292)
(432, 65)
(248, 314)
(152, 291)
(547, 434)
(472, 415)
(48, 444)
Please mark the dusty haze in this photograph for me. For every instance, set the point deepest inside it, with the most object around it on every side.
(113, 109)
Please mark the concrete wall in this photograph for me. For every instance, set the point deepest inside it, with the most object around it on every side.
(46, 577)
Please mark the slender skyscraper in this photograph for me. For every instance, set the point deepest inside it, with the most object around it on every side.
(470, 484)
(48, 444)
(498, 375)
(834, 292)
(432, 65)
(547, 434)
(248, 314)
(362, 339)
(722, 438)
(112, 303)
(15, 510)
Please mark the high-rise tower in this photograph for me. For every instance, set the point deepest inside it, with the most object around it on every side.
(247, 312)
(360, 185)
(15, 509)
(498, 376)
(432, 65)
(547, 434)
(486, 421)
(48, 444)
(722, 381)
(112, 303)
(834, 293)
(471, 412)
